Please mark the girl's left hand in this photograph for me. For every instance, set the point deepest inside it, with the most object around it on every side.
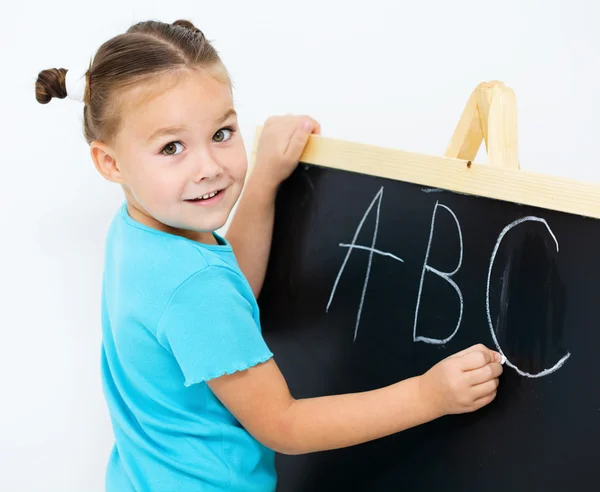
(280, 146)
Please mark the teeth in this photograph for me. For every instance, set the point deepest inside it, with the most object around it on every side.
(207, 196)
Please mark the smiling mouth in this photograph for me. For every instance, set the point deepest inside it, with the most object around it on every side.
(208, 196)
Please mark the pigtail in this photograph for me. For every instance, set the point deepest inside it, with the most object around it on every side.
(187, 24)
(51, 83)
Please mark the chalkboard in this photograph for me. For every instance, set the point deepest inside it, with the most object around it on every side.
(374, 280)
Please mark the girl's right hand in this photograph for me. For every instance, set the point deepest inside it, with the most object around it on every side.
(464, 382)
(280, 145)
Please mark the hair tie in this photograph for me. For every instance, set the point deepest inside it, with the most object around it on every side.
(75, 81)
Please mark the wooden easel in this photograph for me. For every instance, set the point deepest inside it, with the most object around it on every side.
(491, 116)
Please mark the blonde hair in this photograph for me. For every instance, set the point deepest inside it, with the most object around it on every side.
(147, 50)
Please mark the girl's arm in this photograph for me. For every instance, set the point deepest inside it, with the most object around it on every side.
(259, 398)
(280, 145)
(251, 230)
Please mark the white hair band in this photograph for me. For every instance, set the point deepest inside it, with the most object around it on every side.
(75, 81)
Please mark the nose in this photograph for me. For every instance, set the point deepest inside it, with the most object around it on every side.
(206, 167)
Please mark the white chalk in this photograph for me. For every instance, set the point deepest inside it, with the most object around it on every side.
(503, 359)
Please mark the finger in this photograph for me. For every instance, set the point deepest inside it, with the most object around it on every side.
(472, 348)
(485, 373)
(475, 360)
(297, 142)
(494, 356)
(316, 127)
(310, 124)
(484, 400)
(485, 389)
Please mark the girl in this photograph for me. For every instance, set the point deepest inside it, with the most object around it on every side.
(195, 398)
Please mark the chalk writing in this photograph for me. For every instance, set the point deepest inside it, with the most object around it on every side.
(371, 250)
(445, 275)
(560, 363)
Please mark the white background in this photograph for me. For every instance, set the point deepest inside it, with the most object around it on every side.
(390, 73)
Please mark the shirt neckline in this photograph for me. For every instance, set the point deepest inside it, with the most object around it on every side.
(222, 246)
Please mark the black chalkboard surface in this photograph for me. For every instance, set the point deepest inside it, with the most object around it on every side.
(374, 280)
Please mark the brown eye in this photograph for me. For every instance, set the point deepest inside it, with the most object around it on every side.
(222, 135)
(172, 148)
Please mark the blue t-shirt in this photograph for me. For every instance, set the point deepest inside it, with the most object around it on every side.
(176, 313)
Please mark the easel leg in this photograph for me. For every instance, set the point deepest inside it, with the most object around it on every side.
(491, 116)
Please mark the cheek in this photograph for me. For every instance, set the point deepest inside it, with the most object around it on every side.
(153, 186)
(238, 162)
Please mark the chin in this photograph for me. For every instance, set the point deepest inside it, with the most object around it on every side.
(207, 226)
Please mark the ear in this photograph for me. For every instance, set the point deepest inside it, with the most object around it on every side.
(105, 162)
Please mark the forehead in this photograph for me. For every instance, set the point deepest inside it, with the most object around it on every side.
(190, 99)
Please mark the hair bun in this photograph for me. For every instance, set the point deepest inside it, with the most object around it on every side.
(50, 83)
(187, 24)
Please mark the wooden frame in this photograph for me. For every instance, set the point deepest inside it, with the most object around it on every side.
(490, 116)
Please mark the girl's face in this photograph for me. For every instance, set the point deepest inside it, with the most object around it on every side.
(181, 157)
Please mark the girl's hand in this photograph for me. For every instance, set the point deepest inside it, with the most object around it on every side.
(464, 382)
(280, 146)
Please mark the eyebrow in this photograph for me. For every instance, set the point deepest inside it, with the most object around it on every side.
(174, 130)
(230, 112)
(162, 132)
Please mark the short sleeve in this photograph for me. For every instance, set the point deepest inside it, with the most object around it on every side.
(210, 328)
